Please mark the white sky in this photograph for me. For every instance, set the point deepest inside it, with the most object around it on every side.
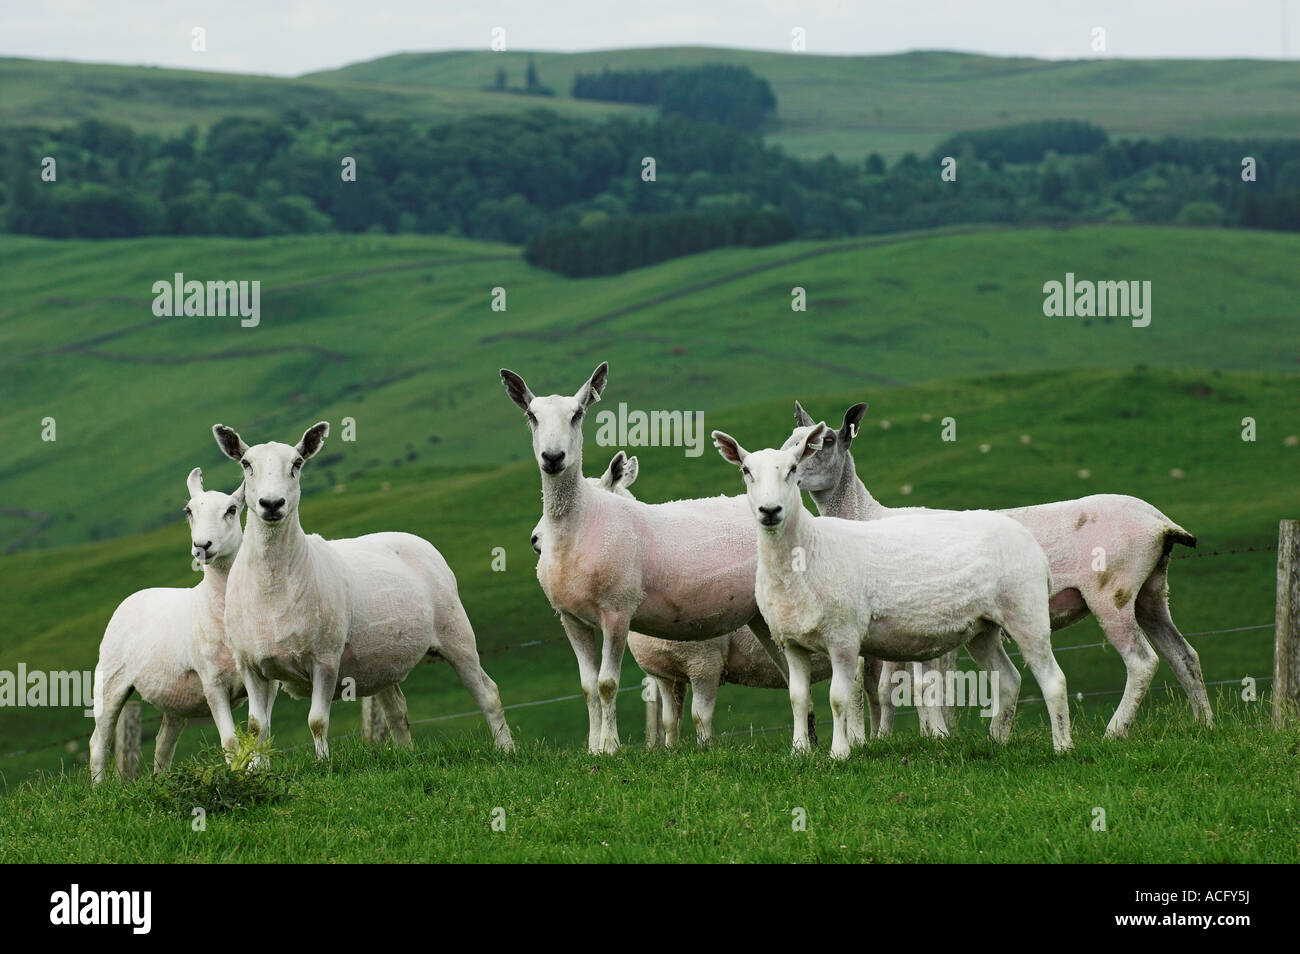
(289, 37)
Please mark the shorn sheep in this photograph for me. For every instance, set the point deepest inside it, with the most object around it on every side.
(909, 588)
(682, 570)
(737, 658)
(1109, 556)
(169, 644)
(319, 615)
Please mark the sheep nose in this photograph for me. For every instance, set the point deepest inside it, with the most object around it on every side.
(771, 513)
(271, 505)
(553, 461)
(204, 546)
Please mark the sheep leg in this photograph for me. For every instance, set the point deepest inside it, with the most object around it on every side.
(929, 717)
(1140, 660)
(393, 704)
(458, 646)
(164, 746)
(1152, 611)
(219, 706)
(800, 694)
(583, 640)
(324, 680)
(672, 695)
(844, 667)
(866, 697)
(613, 627)
(109, 700)
(1036, 647)
(760, 629)
(885, 691)
(704, 696)
(987, 651)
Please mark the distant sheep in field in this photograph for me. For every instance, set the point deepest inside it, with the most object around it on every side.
(908, 588)
(1109, 556)
(169, 644)
(318, 614)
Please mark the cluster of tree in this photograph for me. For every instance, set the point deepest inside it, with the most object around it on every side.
(509, 178)
(732, 95)
(1027, 142)
(609, 246)
(532, 84)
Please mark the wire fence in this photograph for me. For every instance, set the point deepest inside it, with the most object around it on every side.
(535, 643)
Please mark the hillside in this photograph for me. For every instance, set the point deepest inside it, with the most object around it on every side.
(854, 105)
(846, 105)
(398, 333)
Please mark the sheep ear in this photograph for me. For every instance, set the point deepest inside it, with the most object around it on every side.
(801, 417)
(194, 482)
(589, 393)
(516, 388)
(852, 418)
(237, 498)
(614, 472)
(313, 439)
(630, 470)
(811, 442)
(231, 444)
(729, 449)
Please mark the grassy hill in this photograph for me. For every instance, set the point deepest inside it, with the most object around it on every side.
(854, 105)
(397, 333)
(846, 105)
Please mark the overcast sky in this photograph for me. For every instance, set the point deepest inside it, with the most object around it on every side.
(289, 37)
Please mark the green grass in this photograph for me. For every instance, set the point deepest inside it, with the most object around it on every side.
(905, 799)
(846, 105)
(412, 354)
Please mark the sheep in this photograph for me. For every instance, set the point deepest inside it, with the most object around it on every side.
(322, 616)
(169, 644)
(737, 658)
(682, 570)
(1109, 556)
(909, 588)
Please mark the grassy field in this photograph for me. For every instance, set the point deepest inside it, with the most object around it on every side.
(900, 800)
(398, 333)
(846, 105)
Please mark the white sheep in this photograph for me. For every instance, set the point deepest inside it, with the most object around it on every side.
(169, 643)
(682, 570)
(908, 588)
(737, 658)
(321, 616)
(1109, 556)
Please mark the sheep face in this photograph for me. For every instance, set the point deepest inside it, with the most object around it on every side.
(771, 482)
(823, 469)
(271, 470)
(215, 533)
(556, 420)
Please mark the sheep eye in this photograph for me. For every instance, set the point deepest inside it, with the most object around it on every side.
(532, 418)
(745, 471)
(828, 441)
(245, 464)
(231, 511)
(188, 513)
(576, 418)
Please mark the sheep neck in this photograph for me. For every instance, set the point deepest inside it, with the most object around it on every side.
(563, 493)
(215, 576)
(276, 552)
(776, 557)
(848, 498)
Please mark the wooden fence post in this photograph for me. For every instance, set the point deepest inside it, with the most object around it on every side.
(1286, 638)
(650, 695)
(373, 726)
(127, 744)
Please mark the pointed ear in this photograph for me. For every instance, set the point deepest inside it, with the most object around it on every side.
(801, 417)
(516, 388)
(852, 418)
(231, 444)
(729, 449)
(589, 393)
(237, 498)
(313, 439)
(194, 482)
(810, 443)
(614, 472)
(630, 470)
